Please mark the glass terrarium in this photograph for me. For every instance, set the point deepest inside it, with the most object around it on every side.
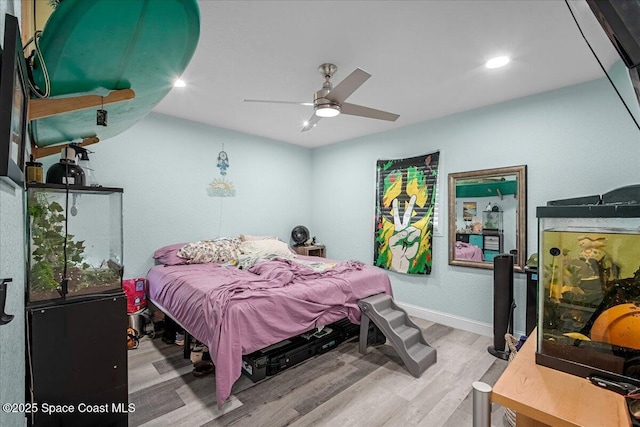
(492, 221)
(589, 290)
(74, 242)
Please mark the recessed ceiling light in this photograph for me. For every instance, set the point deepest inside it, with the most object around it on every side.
(305, 123)
(497, 62)
(179, 83)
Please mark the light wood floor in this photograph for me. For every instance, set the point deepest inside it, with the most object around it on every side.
(339, 388)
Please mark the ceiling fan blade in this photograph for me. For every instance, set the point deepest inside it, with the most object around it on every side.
(311, 123)
(279, 102)
(359, 110)
(347, 86)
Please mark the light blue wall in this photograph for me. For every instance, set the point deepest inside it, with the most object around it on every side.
(575, 141)
(12, 349)
(165, 165)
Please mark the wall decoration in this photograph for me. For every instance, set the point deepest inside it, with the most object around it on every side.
(222, 187)
(405, 192)
(469, 210)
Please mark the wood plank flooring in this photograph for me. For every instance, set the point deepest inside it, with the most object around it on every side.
(339, 388)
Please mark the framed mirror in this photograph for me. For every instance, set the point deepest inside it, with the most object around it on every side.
(488, 216)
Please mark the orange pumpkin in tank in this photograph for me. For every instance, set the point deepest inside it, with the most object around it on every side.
(618, 325)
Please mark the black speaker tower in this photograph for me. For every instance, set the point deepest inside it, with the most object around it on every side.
(503, 304)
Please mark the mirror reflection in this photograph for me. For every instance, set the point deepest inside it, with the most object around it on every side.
(487, 216)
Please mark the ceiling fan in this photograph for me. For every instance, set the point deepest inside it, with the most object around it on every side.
(329, 101)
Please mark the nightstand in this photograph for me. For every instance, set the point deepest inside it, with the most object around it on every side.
(315, 250)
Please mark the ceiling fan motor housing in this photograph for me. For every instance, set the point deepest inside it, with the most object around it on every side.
(319, 97)
(323, 105)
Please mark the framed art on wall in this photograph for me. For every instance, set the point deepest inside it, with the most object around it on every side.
(405, 209)
(469, 210)
(14, 101)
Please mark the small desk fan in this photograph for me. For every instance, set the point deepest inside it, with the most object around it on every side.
(299, 235)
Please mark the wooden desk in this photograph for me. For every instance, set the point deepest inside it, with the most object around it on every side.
(544, 396)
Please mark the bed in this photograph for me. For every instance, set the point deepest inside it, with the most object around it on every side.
(237, 311)
(468, 251)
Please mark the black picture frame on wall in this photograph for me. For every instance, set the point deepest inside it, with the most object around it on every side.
(14, 104)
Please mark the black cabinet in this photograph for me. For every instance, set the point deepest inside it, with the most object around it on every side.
(77, 356)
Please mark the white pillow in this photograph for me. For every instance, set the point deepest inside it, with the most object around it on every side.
(250, 237)
(262, 248)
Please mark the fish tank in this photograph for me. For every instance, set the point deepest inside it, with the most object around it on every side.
(75, 242)
(589, 290)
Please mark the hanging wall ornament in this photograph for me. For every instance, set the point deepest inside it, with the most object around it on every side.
(223, 162)
(222, 187)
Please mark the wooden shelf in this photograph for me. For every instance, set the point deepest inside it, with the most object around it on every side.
(543, 396)
(41, 108)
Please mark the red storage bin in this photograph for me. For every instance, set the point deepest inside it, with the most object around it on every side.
(136, 292)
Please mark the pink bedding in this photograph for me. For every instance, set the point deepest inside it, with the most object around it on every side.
(468, 251)
(236, 312)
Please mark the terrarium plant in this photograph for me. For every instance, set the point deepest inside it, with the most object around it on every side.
(49, 240)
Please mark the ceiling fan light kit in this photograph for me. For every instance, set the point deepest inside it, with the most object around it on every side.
(327, 110)
(330, 101)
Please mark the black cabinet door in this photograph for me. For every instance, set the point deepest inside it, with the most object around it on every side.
(77, 356)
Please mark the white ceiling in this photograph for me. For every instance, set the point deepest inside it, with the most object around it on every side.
(425, 57)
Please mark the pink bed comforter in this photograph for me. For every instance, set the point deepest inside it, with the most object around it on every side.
(236, 312)
(468, 251)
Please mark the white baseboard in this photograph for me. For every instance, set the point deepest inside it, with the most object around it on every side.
(480, 328)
